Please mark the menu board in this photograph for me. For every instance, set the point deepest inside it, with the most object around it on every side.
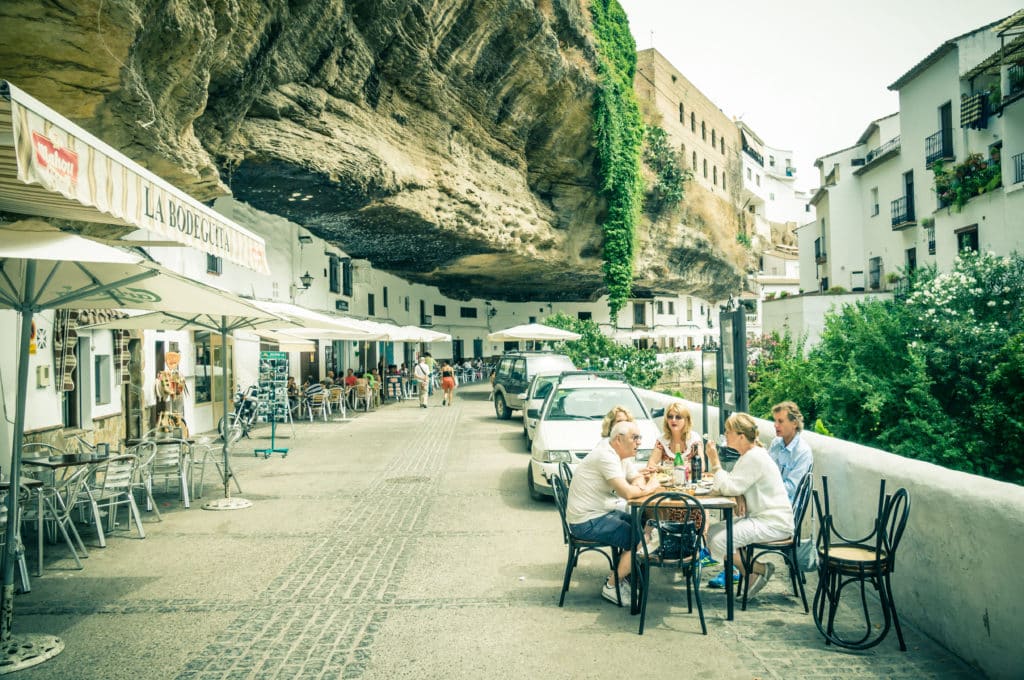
(273, 387)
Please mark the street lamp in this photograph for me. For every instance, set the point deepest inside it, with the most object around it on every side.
(306, 280)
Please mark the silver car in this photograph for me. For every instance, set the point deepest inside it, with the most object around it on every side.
(569, 425)
(533, 400)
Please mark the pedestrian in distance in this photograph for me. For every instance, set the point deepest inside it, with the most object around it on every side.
(422, 376)
(448, 383)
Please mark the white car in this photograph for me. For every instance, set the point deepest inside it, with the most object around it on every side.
(570, 425)
(533, 400)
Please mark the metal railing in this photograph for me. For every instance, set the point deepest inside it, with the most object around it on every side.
(1016, 76)
(820, 257)
(891, 145)
(902, 210)
(938, 146)
(1018, 168)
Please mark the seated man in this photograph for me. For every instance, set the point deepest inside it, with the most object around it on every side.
(605, 470)
(788, 450)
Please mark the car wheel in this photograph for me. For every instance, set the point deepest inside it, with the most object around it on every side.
(534, 494)
(500, 408)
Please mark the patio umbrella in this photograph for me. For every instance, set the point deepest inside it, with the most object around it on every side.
(532, 331)
(417, 334)
(41, 269)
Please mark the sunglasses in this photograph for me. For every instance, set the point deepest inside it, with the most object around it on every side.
(674, 416)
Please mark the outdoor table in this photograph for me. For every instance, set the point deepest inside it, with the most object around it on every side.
(709, 502)
(52, 465)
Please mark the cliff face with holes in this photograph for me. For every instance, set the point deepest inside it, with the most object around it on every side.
(446, 141)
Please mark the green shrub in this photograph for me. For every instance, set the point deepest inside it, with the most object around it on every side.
(595, 351)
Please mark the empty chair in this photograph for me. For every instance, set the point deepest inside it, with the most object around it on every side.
(171, 461)
(578, 546)
(678, 546)
(337, 396)
(864, 561)
(114, 488)
(787, 549)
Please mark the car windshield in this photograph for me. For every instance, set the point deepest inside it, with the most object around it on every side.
(591, 403)
(543, 386)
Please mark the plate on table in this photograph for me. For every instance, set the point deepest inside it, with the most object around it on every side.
(701, 491)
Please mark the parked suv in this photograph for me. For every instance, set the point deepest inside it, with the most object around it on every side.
(514, 373)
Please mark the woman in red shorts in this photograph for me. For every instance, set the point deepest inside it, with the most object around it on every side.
(447, 383)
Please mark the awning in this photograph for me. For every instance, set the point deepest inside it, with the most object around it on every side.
(287, 343)
(51, 167)
(314, 324)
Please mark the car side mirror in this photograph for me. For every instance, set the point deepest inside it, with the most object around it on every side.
(658, 412)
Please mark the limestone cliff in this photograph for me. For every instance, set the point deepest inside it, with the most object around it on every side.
(446, 141)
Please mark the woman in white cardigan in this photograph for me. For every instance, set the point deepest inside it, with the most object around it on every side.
(768, 515)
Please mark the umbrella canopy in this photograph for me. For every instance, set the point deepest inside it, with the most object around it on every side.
(42, 268)
(308, 323)
(288, 343)
(532, 331)
(417, 334)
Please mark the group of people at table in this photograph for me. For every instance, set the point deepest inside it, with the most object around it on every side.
(763, 483)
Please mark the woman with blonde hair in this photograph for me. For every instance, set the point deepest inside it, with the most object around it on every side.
(756, 477)
(618, 414)
(677, 435)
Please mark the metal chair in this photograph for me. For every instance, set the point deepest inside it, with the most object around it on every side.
(22, 570)
(787, 548)
(318, 403)
(363, 395)
(868, 560)
(142, 475)
(337, 399)
(170, 461)
(679, 548)
(578, 546)
(115, 489)
(565, 470)
(59, 500)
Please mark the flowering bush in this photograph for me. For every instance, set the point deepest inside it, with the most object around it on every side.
(938, 376)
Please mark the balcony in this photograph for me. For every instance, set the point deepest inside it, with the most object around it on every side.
(819, 251)
(879, 151)
(1018, 168)
(426, 320)
(902, 211)
(938, 147)
(753, 154)
(1016, 76)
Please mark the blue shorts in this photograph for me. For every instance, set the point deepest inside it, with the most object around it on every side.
(612, 528)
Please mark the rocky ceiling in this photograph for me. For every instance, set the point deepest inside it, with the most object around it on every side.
(446, 141)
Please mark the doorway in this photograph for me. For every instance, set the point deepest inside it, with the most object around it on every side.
(309, 365)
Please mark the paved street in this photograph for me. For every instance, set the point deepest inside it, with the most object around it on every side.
(402, 544)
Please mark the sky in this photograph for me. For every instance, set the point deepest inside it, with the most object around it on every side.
(806, 75)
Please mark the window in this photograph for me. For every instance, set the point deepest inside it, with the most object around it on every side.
(407, 303)
(682, 116)
(467, 312)
(967, 238)
(705, 168)
(789, 163)
(911, 259)
(703, 131)
(771, 195)
(750, 175)
(771, 161)
(721, 143)
(689, 309)
(758, 179)
(384, 297)
(714, 174)
(440, 310)
(723, 180)
(671, 307)
(695, 160)
(674, 80)
(371, 304)
(661, 307)
(930, 233)
(714, 137)
(101, 377)
(214, 265)
(874, 201)
(693, 122)
(639, 314)
(532, 319)
(875, 273)
(334, 273)
(584, 316)
(346, 277)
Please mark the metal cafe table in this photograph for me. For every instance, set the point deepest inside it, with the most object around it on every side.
(709, 502)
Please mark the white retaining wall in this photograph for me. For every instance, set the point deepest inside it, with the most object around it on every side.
(957, 570)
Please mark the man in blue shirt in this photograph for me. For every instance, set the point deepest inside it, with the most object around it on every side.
(788, 450)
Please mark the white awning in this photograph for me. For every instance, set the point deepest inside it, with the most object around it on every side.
(53, 168)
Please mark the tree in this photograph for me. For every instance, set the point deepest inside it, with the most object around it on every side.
(595, 351)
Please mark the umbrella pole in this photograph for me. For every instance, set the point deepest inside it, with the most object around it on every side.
(227, 502)
(31, 649)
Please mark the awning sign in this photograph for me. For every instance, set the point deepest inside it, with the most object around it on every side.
(61, 157)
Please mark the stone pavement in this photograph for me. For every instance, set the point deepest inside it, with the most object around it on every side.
(402, 544)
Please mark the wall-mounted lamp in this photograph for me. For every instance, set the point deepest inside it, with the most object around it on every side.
(306, 280)
(305, 239)
(492, 312)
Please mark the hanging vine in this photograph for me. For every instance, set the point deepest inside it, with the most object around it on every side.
(618, 130)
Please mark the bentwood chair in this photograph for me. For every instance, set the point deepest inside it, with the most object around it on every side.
(565, 470)
(864, 561)
(787, 549)
(578, 546)
(679, 546)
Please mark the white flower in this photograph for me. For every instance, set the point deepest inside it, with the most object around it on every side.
(991, 303)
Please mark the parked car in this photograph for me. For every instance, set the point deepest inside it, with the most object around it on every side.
(515, 370)
(569, 425)
(539, 389)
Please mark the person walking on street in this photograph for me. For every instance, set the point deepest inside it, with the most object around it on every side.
(422, 376)
(447, 383)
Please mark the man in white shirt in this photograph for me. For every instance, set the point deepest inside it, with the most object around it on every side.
(605, 470)
(422, 376)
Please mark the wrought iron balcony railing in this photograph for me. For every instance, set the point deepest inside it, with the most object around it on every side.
(938, 146)
(902, 211)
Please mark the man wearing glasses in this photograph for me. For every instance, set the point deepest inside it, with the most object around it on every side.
(591, 509)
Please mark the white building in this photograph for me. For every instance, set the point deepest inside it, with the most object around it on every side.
(881, 211)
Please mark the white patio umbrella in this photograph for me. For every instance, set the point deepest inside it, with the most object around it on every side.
(40, 269)
(532, 331)
(417, 334)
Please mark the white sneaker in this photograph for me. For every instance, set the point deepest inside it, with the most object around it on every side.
(608, 593)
